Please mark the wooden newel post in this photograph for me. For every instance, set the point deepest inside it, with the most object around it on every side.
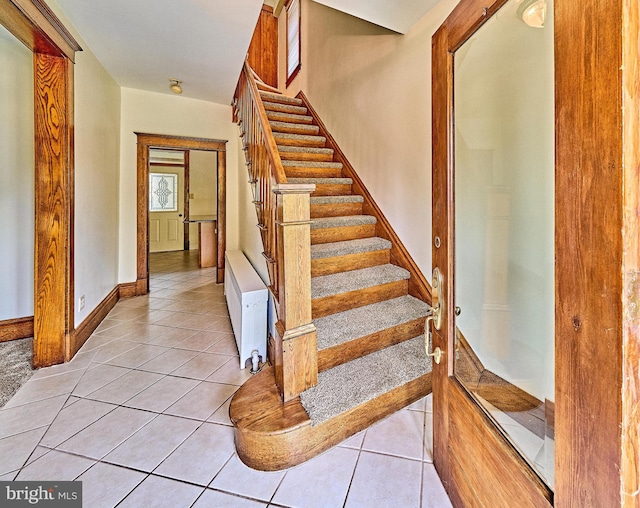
(296, 353)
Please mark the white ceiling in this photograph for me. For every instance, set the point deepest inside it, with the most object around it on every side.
(143, 43)
(396, 15)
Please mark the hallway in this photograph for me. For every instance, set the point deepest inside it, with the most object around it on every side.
(141, 417)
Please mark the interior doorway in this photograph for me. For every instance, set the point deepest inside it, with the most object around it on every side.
(147, 142)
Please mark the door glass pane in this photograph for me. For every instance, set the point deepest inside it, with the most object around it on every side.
(163, 193)
(504, 224)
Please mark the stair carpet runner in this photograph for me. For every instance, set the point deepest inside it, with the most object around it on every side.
(369, 328)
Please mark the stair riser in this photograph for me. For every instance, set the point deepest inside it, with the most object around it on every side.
(335, 210)
(343, 353)
(304, 172)
(274, 450)
(295, 129)
(328, 266)
(302, 143)
(328, 305)
(328, 235)
(285, 108)
(280, 117)
(305, 156)
(330, 189)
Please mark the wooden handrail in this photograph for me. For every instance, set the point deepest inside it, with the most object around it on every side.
(282, 211)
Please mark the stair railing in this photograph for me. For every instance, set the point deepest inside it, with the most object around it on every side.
(283, 212)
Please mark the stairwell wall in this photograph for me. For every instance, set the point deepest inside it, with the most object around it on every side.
(372, 88)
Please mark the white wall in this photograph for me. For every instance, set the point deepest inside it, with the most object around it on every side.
(372, 89)
(155, 113)
(97, 160)
(16, 178)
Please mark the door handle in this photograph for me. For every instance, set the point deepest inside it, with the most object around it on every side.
(434, 314)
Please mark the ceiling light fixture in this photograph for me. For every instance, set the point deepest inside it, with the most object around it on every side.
(533, 12)
(175, 85)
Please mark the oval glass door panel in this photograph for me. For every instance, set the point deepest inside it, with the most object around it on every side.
(504, 224)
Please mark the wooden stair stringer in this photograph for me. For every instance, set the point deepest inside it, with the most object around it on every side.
(272, 435)
(419, 287)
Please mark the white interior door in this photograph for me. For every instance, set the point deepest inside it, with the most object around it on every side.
(166, 209)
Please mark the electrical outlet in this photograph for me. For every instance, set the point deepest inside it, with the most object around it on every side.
(192, 195)
(81, 302)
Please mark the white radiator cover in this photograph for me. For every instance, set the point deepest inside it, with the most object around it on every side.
(247, 302)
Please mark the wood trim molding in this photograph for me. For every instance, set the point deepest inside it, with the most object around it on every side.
(93, 320)
(147, 141)
(19, 328)
(127, 290)
(418, 285)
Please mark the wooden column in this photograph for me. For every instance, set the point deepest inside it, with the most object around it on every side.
(53, 296)
(296, 355)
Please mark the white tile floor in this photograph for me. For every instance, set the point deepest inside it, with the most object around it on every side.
(141, 417)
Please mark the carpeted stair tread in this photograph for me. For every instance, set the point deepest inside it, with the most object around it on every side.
(343, 181)
(312, 129)
(289, 117)
(289, 108)
(312, 164)
(362, 321)
(276, 97)
(330, 250)
(332, 200)
(348, 385)
(298, 137)
(343, 221)
(354, 280)
(304, 149)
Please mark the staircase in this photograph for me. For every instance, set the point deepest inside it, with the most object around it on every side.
(367, 302)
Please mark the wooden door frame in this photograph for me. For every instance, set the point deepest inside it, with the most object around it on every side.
(597, 422)
(147, 141)
(54, 48)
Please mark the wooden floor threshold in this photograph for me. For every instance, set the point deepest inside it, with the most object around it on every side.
(272, 435)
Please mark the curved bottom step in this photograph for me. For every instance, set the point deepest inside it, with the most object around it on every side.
(272, 435)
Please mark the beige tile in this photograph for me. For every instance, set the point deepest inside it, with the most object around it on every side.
(9, 477)
(157, 492)
(201, 402)
(222, 325)
(30, 416)
(80, 362)
(226, 345)
(433, 493)
(15, 450)
(55, 466)
(428, 438)
(201, 366)
(73, 419)
(215, 499)
(95, 341)
(169, 361)
(201, 456)
(137, 356)
(159, 396)
(127, 314)
(319, 482)
(201, 341)
(45, 388)
(96, 377)
(172, 337)
(104, 485)
(419, 405)
(221, 416)
(400, 434)
(125, 387)
(383, 480)
(354, 441)
(237, 478)
(107, 433)
(112, 349)
(190, 321)
(230, 373)
(148, 447)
